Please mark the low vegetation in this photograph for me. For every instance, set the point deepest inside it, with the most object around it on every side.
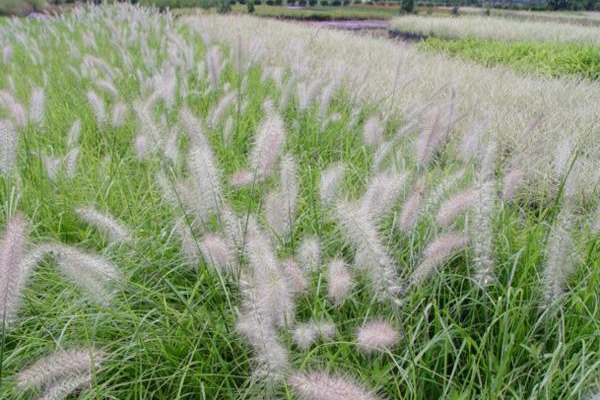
(553, 59)
(323, 13)
(20, 7)
(497, 29)
(218, 206)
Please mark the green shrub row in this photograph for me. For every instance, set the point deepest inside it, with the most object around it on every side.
(20, 7)
(554, 59)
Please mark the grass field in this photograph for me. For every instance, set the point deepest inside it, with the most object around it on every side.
(553, 59)
(497, 28)
(227, 207)
(549, 48)
(324, 13)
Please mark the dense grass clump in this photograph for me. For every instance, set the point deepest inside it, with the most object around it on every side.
(323, 13)
(553, 59)
(189, 217)
(20, 8)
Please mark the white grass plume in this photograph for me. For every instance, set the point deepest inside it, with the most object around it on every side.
(171, 146)
(74, 134)
(105, 223)
(339, 281)
(280, 205)
(217, 252)
(193, 127)
(267, 144)
(373, 132)
(511, 183)
(295, 276)
(383, 150)
(324, 386)
(371, 254)
(37, 107)
(91, 272)
(561, 258)
(309, 254)
(382, 193)
(257, 326)
(376, 336)
(16, 110)
(13, 268)
(221, 108)
(108, 86)
(98, 107)
(189, 246)
(271, 358)
(206, 177)
(70, 162)
(63, 388)
(118, 115)
(274, 298)
(306, 334)
(51, 166)
(331, 178)
(436, 253)
(47, 371)
(411, 209)
(454, 206)
(215, 67)
(484, 210)
(429, 140)
(9, 143)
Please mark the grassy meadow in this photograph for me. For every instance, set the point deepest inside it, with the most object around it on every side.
(228, 207)
(541, 46)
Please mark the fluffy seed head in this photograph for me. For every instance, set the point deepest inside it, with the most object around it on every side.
(105, 223)
(323, 386)
(295, 276)
(13, 268)
(373, 131)
(216, 251)
(305, 335)
(377, 336)
(412, 207)
(63, 364)
(242, 178)
(339, 281)
(435, 254)
(512, 180)
(91, 272)
(37, 107)
(330, 182)
(98, 107)
(430, 140)
(119, 113)
(15, 108)
(64, 387)
(267, 145)
(309, 254)
(561, 258)
(382, 192)
(8, 147)
(455, 206)
(74, 134)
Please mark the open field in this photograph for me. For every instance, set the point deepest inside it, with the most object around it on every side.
(553, 59)
(568, 17)
(323, 13)
(228, 207)
(497, 29)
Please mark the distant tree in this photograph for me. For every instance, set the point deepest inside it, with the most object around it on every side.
(223, 6)
(407, 6)
(250, 6)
